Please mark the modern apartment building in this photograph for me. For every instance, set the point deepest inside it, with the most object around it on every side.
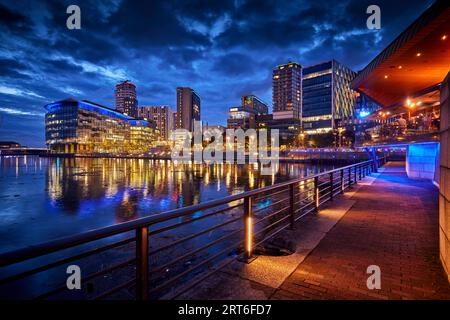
(287, 91)
(125, 91)
(188, 108)
(84, 127)
(327, 97)
(161, 115)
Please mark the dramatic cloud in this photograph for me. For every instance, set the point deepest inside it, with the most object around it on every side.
(222, 49)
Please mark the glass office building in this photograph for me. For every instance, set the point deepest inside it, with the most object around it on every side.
(83, 127)
(327, 97)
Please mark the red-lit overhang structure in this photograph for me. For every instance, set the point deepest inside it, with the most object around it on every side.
(416, 62)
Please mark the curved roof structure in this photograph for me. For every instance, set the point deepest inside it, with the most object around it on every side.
(414, 63)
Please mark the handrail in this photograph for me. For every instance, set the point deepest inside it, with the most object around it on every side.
(319, 191)
(34, 251)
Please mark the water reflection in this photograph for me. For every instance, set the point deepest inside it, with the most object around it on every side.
(54, 197)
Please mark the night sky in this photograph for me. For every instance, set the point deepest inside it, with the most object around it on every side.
(221, 48)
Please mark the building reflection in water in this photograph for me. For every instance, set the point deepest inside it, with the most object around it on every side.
(138, 187)
(57, 197)
(131, 188)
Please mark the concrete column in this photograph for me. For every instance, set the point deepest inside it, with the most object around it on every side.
(444, 189)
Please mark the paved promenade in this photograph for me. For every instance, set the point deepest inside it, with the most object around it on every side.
(386, 220)
(392, 224)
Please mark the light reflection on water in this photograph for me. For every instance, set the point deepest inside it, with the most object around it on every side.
(47, 198)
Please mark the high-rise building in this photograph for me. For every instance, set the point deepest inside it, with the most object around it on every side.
(287, 91)
(161, 115)
(130, 107)
(327, 96)
(125, 90)
(188, 108)
(252, 101)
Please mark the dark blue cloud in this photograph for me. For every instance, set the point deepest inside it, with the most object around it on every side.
(222, 49)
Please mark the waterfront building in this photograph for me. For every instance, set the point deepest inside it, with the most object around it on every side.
(242, 118)
(188, 108)
(84, 127)
(361, 124)
(287, 91)
(161, 115)
(125, 91)
(288, 129)
(253, 102)
(327, 97)
(410, 79)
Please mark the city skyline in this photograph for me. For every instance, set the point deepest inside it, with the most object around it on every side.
(222, 54)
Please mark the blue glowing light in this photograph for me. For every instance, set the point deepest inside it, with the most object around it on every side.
(363, 113)
(86, 105)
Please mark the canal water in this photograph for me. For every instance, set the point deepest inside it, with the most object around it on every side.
(47, 198)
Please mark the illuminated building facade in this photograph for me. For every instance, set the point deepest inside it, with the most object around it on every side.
(327, 97)
(241, 118)
(130, 107)
(188, 108)
(125, 91)
(161, 115)
(288, 129)
(287, 91)
(252, 101)
(83, 127)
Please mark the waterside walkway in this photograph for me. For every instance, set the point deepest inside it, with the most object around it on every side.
(387, 220)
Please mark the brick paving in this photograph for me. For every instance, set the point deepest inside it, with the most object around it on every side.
(393, 224)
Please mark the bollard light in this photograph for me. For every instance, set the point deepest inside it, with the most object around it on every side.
(249, 236)
(317, 197)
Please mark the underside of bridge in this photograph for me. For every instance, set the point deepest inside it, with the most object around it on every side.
(411, 75)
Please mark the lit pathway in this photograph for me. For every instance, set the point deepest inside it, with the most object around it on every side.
(392, 224)
(386, 220)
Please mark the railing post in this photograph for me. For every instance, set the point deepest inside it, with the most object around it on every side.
(342, 181)
(316, 193)
(349, 177)
(360, 173)
(248, 229)
(291, 206)
(356, 176)
(331, 186)
(142, 263)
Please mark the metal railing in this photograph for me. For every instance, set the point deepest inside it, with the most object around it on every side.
(163, 255)
(397, 136)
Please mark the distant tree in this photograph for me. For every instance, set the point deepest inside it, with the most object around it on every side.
(321, 140)
(349, 135)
